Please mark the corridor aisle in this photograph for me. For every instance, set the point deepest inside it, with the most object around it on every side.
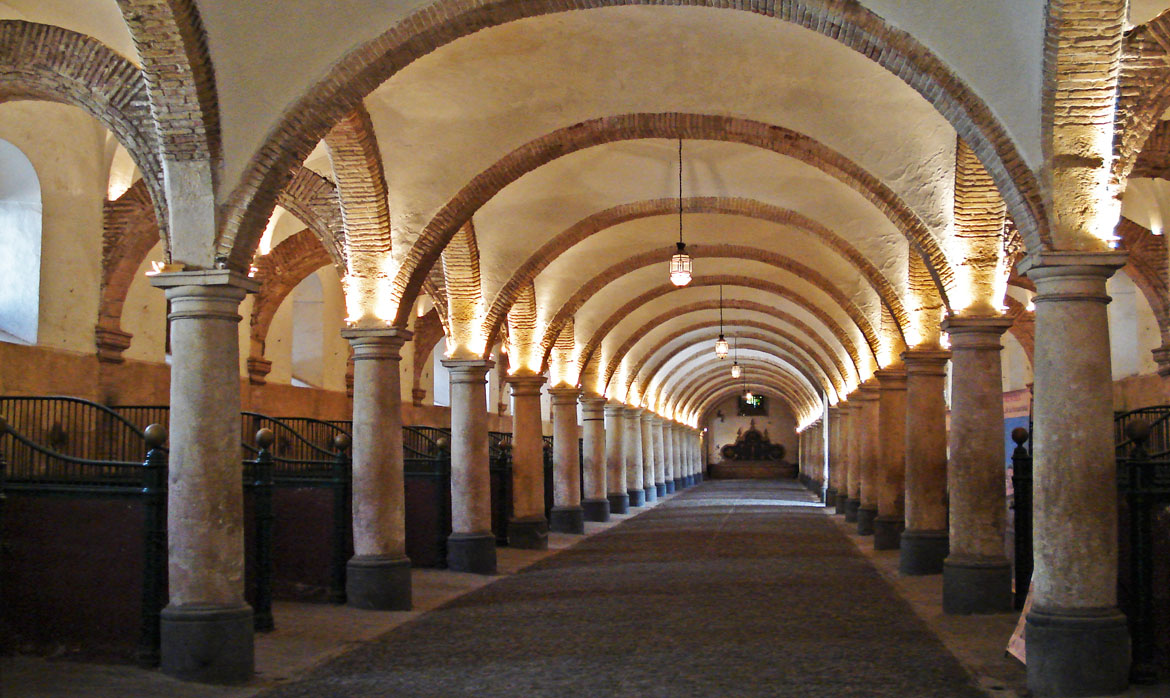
(732, 588)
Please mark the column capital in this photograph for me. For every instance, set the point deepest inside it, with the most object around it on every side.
(926, 362)
(976, 332)
(1074, 276)
(564, 394)
(525, 385)
(214, 278)
(891, 378)
(615, 409)
(593, 401)
(633, 411)
(467, 370)
(376, 342)
(1071, 262)
(867, 391)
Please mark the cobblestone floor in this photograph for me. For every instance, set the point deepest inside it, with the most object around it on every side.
(735, 588)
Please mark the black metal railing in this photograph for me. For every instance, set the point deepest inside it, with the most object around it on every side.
(1157, 421)
(1022, 515)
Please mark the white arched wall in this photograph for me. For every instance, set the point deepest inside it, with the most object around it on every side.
(144, 314)
(308, 333)
(1133, 330)
(1014, 363)
(20, 238)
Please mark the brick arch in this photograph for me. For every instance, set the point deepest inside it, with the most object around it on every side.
(691, 393)
(760, 342)
(315, 202)
(527, 272)
(129, 233)
(775, 332)
(1146, 266)
(49, 63)
(1143, 92)
(279, 272)
(443, 226)
(700, 281)
(365, 67)
(1023, 325)
(704, 408)
(176, 63)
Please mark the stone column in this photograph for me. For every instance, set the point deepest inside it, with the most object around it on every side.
(977, 576)
(648, 456)
(890, 521)
(853, 503)
(841, 462)
(668, 447)
(567, 515)
(1077, 638)
(700, 458)
(925, 542)
(528, 527)
(471, 547)
(635, 472)
(678, 432)
(690, 451)
(615, 458)
(659, 455)
(834, 456)
(206, 629)
(595, 504)
(867, 456)
(378, 575)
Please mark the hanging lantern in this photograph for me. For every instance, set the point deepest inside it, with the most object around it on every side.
(735, 370)
(721, 347)
(748, 397)
(680, 266)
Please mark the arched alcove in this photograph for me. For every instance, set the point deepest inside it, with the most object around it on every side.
(1133, 330)
(308, 333)
(20, 236)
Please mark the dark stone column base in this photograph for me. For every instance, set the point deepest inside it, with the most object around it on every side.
(567, 520)
(637, 498)
(887, 532)
(472, 552)
(618, 503)
(660, 488)
(207, 644)
(669, 486)
(851, 507)
(865, 519)
(977, 586)
(1077, 652)
(528, 534)
(842, 503)
(690, 479)
(830, 498)
(923, 552)
(651, 493)
(595, 509)
(378, 583)
(680, 484)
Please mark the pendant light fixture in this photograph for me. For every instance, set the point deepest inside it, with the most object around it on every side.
(680, 263)
(721, 343)
(747, 394)
(735, 370)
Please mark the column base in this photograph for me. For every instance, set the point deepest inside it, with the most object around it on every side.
(842, 503)
(567, 520)
(660, 488)
(887, 532)
(669, 486)
(618, 503)
(207, 644)
(680, 484)
(865, 519)
(595, 509)
(851, 507)
(651, 493)
(472, 552)
(690, 480)
(378, 583)
(636, 498)
(977, 585)
(699, 477)
(528, 533)
(923, 552)
(830, 498)
(1077, 652)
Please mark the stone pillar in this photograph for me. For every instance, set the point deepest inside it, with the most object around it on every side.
(595, 504)
(678, 431)
(662, 441)
(700, 458)
(691, 451)
(528, 527)
(206, 629)
(378, 575)
(890, 521)
(471, 547)
(841, 461)
(567, 515)
(647, 431)
(669, 444)
(834, 456)
(853, 503)
(1077, 638)
(615, 458)
(867, 456)
(659, 455)
(925, 542)
(635, 472)
(977, 576)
